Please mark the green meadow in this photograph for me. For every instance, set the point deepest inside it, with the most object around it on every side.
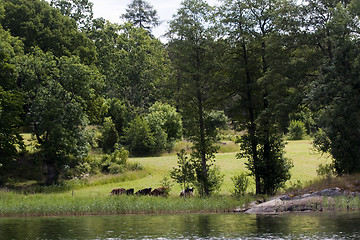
(78, 197)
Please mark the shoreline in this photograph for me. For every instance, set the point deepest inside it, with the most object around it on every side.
(329, 199)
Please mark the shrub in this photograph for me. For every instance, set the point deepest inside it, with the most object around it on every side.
(297, 130)
(115, 168)
(139, 138)
(166, 184)
(241, 184)
(326, 170)
(115, 162)
(166, 125)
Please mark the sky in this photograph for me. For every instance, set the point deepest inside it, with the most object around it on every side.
(112, 10)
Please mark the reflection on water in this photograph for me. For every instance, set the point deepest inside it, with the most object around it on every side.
(185, 226)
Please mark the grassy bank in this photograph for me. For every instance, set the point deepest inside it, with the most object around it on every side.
(12, 204)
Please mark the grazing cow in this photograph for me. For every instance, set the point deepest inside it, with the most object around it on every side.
(161, 191)
(118, 191)
(143, 192)
(188, 192)
(130, 191)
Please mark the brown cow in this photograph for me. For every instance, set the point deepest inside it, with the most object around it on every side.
(118, 191)
(161, 191)
(143, 192)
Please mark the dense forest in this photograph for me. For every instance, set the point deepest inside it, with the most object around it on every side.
(91, 92)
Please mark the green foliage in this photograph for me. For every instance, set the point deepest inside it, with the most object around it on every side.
(164, 121)
(272, 172)
(139, 139)
(79, 10)
(241, 184)
(297, 130)
(11, 101)
(196, 58)
(326, 170)
(110, 137)
(40, 25)
(121, 115)
(134, 63)
(166, 184)
(116, 162)
(184, 173)
(333, 94)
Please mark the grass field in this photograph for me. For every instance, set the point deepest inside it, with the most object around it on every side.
(93, 197)
(305, 161)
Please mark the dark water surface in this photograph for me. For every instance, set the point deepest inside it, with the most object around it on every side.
(185, 226)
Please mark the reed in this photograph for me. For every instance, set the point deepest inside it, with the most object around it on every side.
(342, 203)
(12, 204)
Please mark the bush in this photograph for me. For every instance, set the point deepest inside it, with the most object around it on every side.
(297, 130)
(140, 140)
(241, 184)
(165, 124)
(115, 162)
(166, 184)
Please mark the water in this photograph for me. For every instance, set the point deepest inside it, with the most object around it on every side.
(185, 226)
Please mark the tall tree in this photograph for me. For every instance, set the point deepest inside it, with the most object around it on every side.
(11, 101)
(79, 10)
(141, 14)
(38, 24)
(334, 30)
(56, 93)
(134, 63)
(196, 56)
(258, 54)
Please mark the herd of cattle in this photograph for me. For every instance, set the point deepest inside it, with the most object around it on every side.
(161, 191)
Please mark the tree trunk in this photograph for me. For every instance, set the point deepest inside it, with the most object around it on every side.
(50, 173)
(266, 124)
(252, 126)
(202, 143)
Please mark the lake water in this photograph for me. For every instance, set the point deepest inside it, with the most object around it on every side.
(185, 226)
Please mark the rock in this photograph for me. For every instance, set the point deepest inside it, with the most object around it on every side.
(305, 202)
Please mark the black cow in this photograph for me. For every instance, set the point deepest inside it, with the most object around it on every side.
(188, 192)
(143, 192)
(130, 191)
(118, 191)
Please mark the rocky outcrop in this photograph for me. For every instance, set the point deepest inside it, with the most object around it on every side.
(306, 202)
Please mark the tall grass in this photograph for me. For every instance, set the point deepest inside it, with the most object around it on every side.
(47, 205)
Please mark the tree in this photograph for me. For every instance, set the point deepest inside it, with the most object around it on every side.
(141, 14)
(196, 55)
(11, 101)
(184, 174)
(164, 120)
(79, 10)
(56, 95)
(40, 25)
(134, 63)
(334, 30)
(257, 64)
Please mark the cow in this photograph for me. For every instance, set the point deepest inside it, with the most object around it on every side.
(188, 192)
(129, 191)
(143, 192)
(161, 191)
(118, 191)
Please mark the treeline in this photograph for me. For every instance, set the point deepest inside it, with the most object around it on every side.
(77, 84)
